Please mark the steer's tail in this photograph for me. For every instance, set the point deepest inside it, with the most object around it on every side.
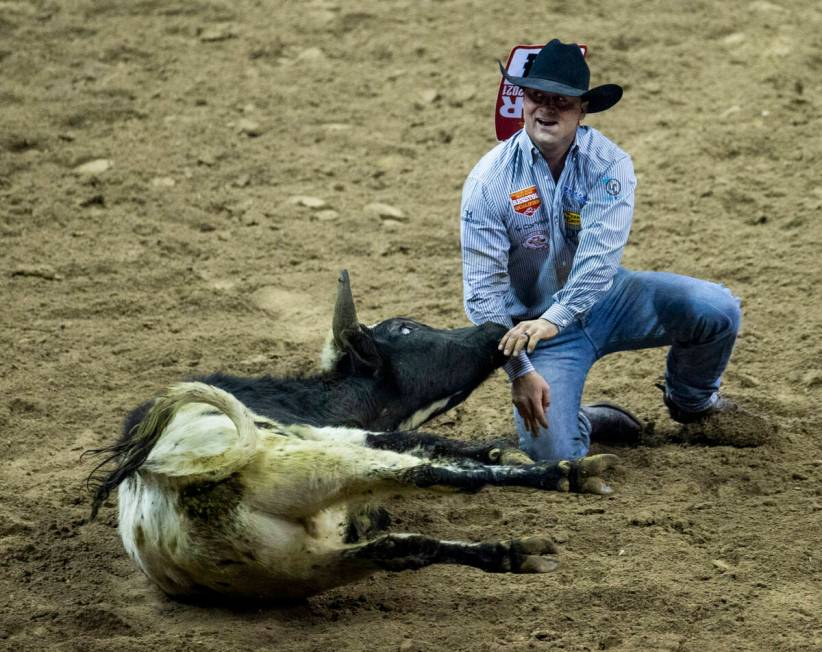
(134, 450)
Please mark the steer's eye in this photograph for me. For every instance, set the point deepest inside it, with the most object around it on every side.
(405, 330)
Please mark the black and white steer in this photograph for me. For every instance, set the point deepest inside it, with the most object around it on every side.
(262, 487)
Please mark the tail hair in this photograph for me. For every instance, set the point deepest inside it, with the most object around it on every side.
(131, 453)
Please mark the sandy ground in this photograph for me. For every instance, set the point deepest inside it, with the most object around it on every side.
(181, 248)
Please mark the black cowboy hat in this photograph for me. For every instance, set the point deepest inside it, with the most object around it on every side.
(560, 68)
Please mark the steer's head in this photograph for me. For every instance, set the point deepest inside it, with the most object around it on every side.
(420, 371)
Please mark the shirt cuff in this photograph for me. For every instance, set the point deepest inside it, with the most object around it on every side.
(518, 366)
(559, 316)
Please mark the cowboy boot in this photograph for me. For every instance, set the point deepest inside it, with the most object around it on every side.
(611, 424)
(721, 406)
(722, 423)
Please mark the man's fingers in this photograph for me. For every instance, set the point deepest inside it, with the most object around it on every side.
(508, 342)
(531, 395)
(542, 420)
(514, 341)
(539, 418)
(535, 419)
(511, 347)
(528, 417)
(539, 412)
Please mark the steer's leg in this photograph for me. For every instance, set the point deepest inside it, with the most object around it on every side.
(498, 451)
(300, 478)
(396, 552)
(582, 476)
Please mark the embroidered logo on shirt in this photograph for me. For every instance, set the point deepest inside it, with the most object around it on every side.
(581, 197)
(530, 226)
(536, 241)
(572, 219)
(526, 201)
(612, 187)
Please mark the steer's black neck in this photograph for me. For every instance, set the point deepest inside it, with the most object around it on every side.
(325, 400)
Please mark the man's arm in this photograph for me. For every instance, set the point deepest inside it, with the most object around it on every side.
(485, 279)
(606, 223)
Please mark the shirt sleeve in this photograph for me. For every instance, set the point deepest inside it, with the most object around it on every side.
(485, 280)
(606, 222)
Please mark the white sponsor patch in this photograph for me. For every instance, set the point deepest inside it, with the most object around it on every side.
(536, 241)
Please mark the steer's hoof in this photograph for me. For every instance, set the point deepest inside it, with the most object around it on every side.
(534, 546)
(595, 486)
(509, 457)
(534, 564)
(584, 477)
(596, 464)
(527, 555)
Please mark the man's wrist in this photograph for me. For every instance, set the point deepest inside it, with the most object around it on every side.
(550, 322)
(559, 316)
(518, 367)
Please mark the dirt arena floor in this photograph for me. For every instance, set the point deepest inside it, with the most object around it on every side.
(180, 182)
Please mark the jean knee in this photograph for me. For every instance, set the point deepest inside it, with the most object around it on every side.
(735, 310)
(706, 314)
(548, 447)
(727, 310)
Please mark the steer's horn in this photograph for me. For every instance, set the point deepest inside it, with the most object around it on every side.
(345, 314)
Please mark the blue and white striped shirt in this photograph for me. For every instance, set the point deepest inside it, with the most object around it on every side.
(532, 247)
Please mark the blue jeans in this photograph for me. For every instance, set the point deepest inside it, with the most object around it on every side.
(697, 319)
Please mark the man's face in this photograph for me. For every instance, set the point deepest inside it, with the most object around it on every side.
(551, 120)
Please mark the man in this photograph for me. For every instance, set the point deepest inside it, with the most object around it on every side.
(545, 218)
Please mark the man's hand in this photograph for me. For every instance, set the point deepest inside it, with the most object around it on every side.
(526, 334)
(532, 396)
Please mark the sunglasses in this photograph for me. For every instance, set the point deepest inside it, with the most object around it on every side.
(559, 102)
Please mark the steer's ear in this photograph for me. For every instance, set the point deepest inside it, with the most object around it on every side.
(365, 356)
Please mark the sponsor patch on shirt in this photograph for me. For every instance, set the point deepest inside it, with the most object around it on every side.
(526, 201)
(580, 197)
(572, 219)
(612, 186)
(536, 241)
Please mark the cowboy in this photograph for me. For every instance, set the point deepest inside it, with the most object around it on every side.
(545, 218)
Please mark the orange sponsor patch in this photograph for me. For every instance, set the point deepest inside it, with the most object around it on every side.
(526, 201)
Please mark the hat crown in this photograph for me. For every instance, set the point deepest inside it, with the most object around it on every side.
(562, 63)
(561, 68)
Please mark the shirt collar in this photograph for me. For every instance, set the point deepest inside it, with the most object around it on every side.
(530, 151)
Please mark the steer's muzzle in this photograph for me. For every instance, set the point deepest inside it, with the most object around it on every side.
(485, 340)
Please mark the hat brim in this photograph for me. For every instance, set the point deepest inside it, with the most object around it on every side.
(599, 98)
